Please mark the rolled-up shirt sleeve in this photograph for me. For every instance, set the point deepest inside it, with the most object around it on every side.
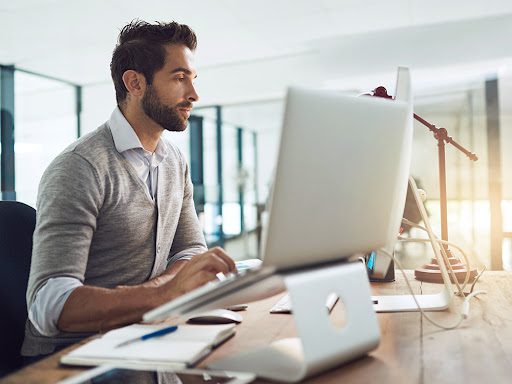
(45, 311)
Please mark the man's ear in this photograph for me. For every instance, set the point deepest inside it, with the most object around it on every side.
(134, 82)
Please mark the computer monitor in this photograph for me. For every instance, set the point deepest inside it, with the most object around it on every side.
(339, 187)
(341, 176)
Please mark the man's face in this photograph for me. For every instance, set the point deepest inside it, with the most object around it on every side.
(168, 100)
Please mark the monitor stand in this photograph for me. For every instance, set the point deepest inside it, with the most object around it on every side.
(431, 302)
(319, 345)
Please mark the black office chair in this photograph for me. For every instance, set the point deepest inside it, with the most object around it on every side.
(17, 223)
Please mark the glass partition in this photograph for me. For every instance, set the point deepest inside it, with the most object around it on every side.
(212, 218)
(228, 178)
(249, 180)
(231, 181)
(45, 123)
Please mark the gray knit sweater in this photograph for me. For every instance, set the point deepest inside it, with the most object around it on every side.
(96, 223)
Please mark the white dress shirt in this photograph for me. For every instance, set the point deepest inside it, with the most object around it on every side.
(47, 306)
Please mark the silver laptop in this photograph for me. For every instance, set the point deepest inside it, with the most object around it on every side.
(339, 189)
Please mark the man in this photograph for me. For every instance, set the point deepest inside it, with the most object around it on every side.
(116, 225)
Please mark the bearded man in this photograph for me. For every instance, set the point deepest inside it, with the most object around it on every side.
(117, 232)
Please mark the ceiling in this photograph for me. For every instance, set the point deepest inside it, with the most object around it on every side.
(252, 50)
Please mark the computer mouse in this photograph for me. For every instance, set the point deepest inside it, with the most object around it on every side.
(216, 316)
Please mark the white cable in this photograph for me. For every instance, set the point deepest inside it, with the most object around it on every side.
(466, 280)
(465, 305)
(445, 256)
(442, 260)
(439, 251)
(466, 260)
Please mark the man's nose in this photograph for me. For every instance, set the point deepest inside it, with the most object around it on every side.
(192, 96)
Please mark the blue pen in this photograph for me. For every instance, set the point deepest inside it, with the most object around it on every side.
(160, 332)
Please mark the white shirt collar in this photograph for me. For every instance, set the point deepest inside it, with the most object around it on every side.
(125, 137)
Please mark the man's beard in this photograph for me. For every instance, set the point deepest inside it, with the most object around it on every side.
(167, 117)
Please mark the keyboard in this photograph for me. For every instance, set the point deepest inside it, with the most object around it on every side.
(283, 305)
(199, 298)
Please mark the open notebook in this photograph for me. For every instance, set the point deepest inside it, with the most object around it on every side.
(182, 348)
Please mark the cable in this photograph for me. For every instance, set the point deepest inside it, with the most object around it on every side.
(442, 260)
(468, 268)
(477, 278)
(465, 305)
(445, 256)
(439, 251)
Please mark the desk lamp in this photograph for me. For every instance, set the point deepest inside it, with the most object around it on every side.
(431, 272)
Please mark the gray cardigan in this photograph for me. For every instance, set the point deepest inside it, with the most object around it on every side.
(96, 223)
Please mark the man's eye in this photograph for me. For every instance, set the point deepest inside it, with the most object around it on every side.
(180, 78)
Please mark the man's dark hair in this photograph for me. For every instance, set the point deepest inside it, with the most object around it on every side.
(141, 47)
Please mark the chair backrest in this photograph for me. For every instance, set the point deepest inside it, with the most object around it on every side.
(17, 223)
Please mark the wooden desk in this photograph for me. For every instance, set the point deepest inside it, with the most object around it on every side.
(411, 349)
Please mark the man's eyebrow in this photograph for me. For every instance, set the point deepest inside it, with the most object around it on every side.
(183, 69)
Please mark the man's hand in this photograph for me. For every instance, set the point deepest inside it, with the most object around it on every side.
(198, 271)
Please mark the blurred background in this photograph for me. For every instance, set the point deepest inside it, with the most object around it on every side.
(56, 86)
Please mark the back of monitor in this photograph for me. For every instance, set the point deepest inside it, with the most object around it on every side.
(341, 177)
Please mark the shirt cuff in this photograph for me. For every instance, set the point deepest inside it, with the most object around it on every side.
(45, 311)
(186, 254)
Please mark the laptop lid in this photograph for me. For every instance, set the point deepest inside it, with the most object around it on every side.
(341, 176)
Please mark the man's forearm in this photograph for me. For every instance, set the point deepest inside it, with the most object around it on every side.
(94, 309)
